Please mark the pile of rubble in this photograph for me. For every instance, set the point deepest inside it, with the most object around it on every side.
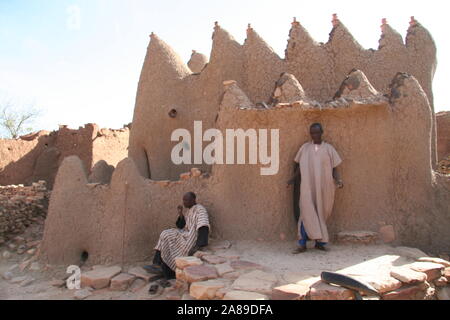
(21, 207)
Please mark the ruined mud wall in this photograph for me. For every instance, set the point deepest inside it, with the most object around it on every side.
(443, 134)
(166, 83)
(37, 156)
(385, 143)
(21, 206)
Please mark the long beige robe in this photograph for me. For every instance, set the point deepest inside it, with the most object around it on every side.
(317, 187)
(175, 243)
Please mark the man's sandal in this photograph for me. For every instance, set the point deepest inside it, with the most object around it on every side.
(154, 269)
(153, 289)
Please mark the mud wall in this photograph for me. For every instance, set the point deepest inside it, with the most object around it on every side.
(385, 143)
(37, 156)
(166, 83)
(443, 134)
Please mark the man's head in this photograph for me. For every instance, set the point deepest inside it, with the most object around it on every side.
(316, 131)
(189, 200)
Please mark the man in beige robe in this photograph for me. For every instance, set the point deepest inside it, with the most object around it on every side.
(317, 161)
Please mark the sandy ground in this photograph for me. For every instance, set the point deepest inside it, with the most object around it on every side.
(276, 257)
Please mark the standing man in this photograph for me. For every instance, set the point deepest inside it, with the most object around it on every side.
(317, 162)
(191, 234)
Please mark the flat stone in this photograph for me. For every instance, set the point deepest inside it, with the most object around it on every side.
(137, 285)
(99, 278)
(179, 275)
(443, 293)
(412, 253)
(387, 234)
(244, 295)
(223, 269)
(357, 237)
(407, 275)
(441, 282)
(232, 275)
(6, 255)
(220, 294)
(205, 290)
(58, 283)
(381, 282)
(290, 292)
(432, 270)
(212, 259)
(405, 293)
(141, 273)
(324, 291)
(184, 262)
(244, 265)
(199, 273)
(82, 294)
(18, 279)
(187, 297)
(250, 284)
(445, 263)
(122, 282)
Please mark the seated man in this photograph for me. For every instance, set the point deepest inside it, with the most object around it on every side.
(191, 234)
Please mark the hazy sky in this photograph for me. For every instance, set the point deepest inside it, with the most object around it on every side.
(80, 60)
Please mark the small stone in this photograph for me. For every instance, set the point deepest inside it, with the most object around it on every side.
(121, 282)
(324, 291)
(82, 294)
(432, 270)
(137, 285)
(99, 278)
(31, 251)
(12, 246)
(6, 255)
(185, 176)
(443, 293)
(13, 267)
(447, 274)
(19, 240)
(407, 275)
(229, 82)
(184, 262)
(205, 290)
(290, 292)
(243, 295)
(212, 259)
(404, 293)
(24, 265)
(199, 273)
(21, 249)
(223, 269)
(8, 275)
(412, 253)
(196, 172)
(58, 283)
(35, 266)
(435, 260)
(244, 265)
(441, 282)
(141, 273)
(387, 234)
(200, 253)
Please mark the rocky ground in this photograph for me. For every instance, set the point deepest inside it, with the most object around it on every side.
(248, 270)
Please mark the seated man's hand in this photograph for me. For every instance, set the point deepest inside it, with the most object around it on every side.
(180, 210)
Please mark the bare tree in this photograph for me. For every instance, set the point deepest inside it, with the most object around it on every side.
(16, 121)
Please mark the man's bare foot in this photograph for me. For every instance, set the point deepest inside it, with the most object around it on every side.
(300, 249)
(321, 247)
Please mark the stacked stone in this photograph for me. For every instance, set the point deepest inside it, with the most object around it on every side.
(20, 207)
